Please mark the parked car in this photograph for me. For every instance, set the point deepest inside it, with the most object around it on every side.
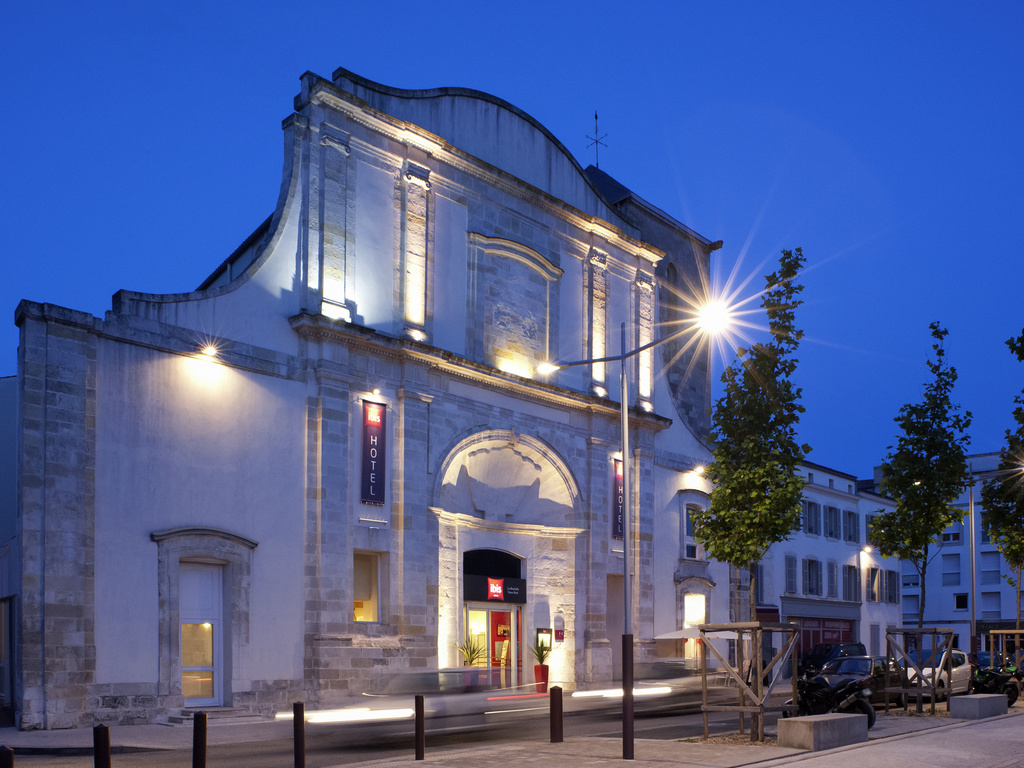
(928, 659)
(816, 658)
(872, 667)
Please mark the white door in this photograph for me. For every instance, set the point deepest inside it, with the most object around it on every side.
(201, 610)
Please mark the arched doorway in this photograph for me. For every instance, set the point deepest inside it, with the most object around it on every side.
(494, 596)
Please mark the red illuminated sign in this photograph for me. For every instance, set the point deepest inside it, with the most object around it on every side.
(374, 415)
(374, 452)
(496, 589)
(618, 503)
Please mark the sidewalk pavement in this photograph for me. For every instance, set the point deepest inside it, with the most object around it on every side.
(897, 741)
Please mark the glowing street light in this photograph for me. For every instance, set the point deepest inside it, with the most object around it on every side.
(711, 319)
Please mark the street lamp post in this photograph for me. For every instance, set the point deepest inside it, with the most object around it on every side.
(713, 318)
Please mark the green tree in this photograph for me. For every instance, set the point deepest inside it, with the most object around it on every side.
(926, 472)
(756, 497)
(1003, 495)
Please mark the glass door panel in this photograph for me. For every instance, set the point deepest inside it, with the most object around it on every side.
(197, 672)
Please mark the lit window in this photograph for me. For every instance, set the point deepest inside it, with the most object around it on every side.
(365, 579)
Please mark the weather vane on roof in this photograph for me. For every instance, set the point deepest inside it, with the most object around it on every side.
(596, 143)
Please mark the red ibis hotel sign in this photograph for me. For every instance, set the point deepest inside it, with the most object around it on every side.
(374, 452)
(502, 590)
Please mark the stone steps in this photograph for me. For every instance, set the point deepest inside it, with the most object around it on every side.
(215, 716)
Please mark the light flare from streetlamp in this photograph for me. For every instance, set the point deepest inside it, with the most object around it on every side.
(714, 317)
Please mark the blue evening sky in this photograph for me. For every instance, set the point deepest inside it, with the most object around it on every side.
(141, 143)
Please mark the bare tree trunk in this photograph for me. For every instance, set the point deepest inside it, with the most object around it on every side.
(1019, 569)
(923, 571)
(753, 592)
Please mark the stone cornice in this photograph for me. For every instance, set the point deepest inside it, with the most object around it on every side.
(481, 524)
(320, 328)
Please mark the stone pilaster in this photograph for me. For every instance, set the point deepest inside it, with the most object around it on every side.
(57, 490)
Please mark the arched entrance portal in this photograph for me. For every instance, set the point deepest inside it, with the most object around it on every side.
(495, 593)
(508, 514)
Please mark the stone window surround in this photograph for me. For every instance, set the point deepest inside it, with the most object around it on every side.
(201, 545)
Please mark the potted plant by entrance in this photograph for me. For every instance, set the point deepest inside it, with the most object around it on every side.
(540, 653)
(473, 651)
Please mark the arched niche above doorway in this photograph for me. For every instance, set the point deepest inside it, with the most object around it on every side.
(504, 476)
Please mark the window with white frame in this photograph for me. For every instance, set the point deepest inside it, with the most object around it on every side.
(833, 578)
(872, 585)
(791, 574)
(960, 602)
(990, 606)
(851, 583)
(759, 585)
(911, 578)
(985, 538)
(911, 607)
(812, 576)
(951, 570)
(892, 587)
(851, 526)
(812, 517)
(953, 534)
(990, 568)
(833, 523)
(691, 551)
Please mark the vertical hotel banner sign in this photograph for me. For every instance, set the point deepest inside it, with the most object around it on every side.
(618, 503)
(374, 452)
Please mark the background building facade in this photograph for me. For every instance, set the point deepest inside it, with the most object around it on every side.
(953, 598)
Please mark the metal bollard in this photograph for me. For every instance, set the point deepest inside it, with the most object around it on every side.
(555, 706)
(199, 741)
(6, 757)
(421, 728)
(101, 746)
(299, 733)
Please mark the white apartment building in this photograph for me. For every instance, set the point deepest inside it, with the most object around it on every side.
(953, 598)
(826, 577)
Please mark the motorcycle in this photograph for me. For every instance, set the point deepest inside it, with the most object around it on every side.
(992, 680)
(816, 697)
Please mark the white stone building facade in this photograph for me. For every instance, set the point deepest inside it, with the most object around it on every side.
(335, 458)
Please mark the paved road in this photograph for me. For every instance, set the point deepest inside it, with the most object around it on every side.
(325, 749)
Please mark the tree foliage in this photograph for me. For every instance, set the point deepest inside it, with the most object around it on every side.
(756, 498)
(927, 471)
(1003, 495)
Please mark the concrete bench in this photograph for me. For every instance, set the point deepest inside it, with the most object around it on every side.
(818, 732)
(976, 706)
